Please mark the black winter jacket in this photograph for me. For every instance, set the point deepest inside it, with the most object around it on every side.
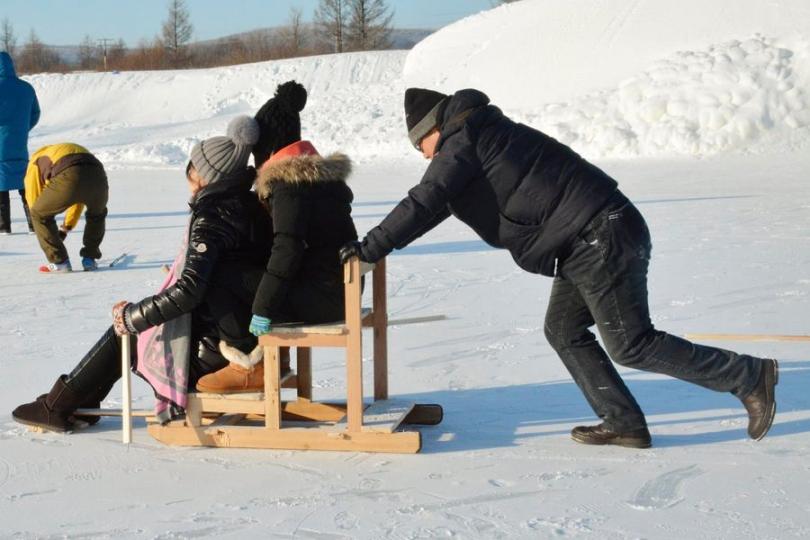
(228, 246)
(518, 188)
(310, 205)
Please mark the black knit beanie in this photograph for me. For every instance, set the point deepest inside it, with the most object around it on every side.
(279, 121)
(422, 108)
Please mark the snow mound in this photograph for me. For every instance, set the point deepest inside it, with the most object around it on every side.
(729, 97)
(618, 78)
(154, 118)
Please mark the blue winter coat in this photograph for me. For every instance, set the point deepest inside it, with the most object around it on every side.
(19, 112)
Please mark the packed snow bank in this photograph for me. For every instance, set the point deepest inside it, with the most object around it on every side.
(618, 78)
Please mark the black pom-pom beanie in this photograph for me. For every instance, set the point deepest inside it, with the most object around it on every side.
(279, 121)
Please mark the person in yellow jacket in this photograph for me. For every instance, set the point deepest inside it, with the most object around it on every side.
(62, 177)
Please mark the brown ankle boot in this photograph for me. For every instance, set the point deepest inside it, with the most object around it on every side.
(761, 402)
(50, 412)
(232, 379)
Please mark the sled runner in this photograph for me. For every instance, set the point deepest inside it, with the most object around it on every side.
(264, 420)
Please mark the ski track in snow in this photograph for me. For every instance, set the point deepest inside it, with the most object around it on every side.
(663, 491)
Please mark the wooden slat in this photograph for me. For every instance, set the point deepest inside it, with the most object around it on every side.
(303, 340)
(746, 337)
(136, 413)
(383, 416)
(332, 328)
(287, 439)
(224, 420)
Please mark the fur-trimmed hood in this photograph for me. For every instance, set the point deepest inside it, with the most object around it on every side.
(303, 169)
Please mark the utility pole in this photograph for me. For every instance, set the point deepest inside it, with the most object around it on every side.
(103, 42)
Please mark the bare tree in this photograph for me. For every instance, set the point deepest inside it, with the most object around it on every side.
(176, 33)
(116, 53)
(369, 25)
(36, 57)
(8, 41)
(330, 22)
(88, 53)
(291, 37)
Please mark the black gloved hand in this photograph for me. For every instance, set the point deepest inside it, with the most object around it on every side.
(349, 250)
(63, 233)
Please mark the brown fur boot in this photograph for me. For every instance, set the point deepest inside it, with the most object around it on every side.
(244, 373)
(52, 411)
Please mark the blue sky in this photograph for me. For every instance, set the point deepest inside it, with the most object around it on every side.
(66, 22)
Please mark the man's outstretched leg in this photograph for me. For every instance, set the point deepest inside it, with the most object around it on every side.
(609, 268)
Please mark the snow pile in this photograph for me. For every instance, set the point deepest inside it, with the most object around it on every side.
(154, 118)
(616, 78)
(696, 103)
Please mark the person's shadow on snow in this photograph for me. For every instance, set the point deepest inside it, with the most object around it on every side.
(504, 416)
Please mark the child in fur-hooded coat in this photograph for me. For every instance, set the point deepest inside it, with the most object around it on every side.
(310, 206)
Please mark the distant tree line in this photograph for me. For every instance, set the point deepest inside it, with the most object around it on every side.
(338, 26)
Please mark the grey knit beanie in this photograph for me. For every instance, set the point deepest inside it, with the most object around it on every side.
(218, 157)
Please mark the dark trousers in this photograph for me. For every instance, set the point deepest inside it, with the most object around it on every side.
(94, 376)
(85, 184)
(5, 211)
(603, 281)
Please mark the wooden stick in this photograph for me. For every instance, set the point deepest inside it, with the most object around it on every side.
(126, 398)
(415, 320)
(746, 337)
(380, 308)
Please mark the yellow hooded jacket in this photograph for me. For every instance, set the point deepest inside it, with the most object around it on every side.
(46, 163)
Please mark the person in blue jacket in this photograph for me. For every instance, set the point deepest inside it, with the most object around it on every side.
(19, 113)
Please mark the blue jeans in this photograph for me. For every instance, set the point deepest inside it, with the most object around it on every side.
(603, 281)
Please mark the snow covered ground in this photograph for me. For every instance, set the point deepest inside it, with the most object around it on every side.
(731, 235)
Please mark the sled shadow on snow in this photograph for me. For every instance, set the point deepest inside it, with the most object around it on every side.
(504, 416)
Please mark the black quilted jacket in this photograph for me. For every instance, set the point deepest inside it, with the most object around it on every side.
(229, 243)
(518, 188)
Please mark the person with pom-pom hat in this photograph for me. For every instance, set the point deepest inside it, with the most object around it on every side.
(199, 320)
(307, 197)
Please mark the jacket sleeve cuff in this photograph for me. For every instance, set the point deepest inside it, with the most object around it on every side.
(372, 252)
(130, 325)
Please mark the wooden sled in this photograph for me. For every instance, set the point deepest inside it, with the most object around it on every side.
(264, 420)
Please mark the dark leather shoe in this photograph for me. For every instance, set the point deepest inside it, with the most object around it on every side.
(637, 438)
(761, 402)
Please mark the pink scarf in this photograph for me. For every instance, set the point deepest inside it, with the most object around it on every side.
(163, 352)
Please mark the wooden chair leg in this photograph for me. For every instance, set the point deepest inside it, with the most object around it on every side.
(303, 370)
(354, 383)
(272, 387)
(379, 302)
